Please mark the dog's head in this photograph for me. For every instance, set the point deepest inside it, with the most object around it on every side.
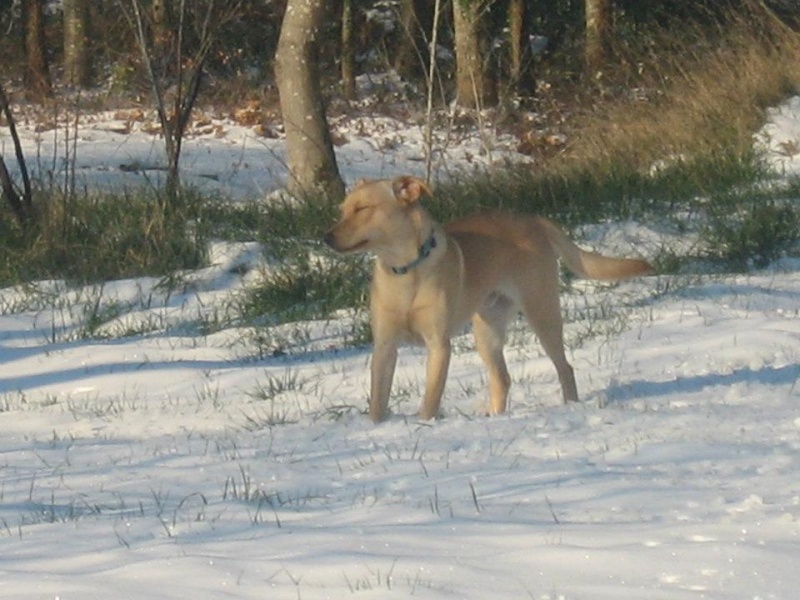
(377, 214)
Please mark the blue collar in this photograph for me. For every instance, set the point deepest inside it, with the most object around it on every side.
(424, 252)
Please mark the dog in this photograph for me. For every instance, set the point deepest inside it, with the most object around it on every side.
(430, 280)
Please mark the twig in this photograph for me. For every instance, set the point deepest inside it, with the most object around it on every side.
(475, 498)
(429, 108)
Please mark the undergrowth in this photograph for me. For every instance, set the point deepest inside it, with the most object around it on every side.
(91, 237)
(305, 286)
(744, 220)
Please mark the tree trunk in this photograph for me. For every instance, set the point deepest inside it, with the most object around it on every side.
(76, 43)
(163, 36)
(348, 52)
(411, 55)
(516, 17)
(161, 26)
(21, 202)
(37, 75)
(523, 80)
(474, 85)
(309, 150)
(598, 33)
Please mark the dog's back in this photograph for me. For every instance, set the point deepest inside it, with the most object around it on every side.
(540, 239)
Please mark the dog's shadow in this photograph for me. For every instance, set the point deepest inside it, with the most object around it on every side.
(620, 393)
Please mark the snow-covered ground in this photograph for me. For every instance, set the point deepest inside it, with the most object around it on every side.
(121, 148)
(170, 465)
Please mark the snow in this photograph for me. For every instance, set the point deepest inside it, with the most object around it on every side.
(117, 149)
(780, 137)
(171, 464)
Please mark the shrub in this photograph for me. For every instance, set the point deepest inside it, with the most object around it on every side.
(752, 232)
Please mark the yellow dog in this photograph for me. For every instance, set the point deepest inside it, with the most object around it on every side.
(429, 280)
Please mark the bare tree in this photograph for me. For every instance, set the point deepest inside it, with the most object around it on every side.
(309, 150)
(348, 51)
(475, 85)
(598, 32)
(411, 54)
(522, 77)
(161, 19)
(76, 42)
(37, 73)
(174, 61)
(516, 19)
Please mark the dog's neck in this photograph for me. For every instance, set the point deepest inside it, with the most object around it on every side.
(424, 252)
(418, 248)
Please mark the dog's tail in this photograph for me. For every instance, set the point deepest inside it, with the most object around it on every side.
(590, 264)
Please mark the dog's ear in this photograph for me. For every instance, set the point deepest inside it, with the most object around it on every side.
(359, 183)
(408, 189)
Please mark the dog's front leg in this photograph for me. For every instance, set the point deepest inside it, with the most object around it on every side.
(436, 375)
(384, 359)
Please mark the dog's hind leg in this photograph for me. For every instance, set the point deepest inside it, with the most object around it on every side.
(489, 326)
(542, 310)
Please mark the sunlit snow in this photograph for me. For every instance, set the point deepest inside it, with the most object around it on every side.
(171, 464)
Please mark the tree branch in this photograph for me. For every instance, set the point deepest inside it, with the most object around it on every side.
(21, 205)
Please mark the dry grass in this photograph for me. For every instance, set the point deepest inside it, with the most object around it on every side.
(695, 94)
